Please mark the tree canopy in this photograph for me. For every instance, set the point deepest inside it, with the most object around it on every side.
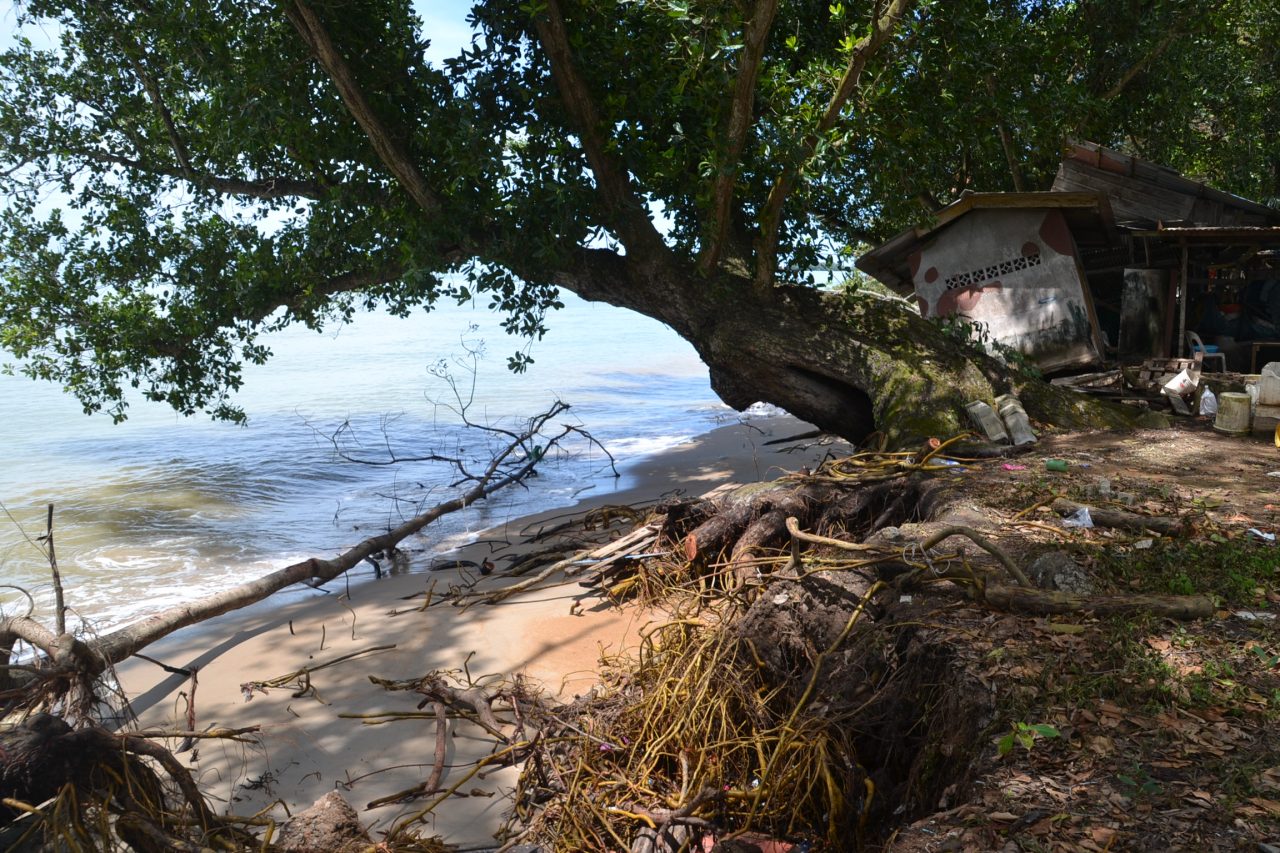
(186, 174)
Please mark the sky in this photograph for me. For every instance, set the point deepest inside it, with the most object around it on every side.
(445, 23)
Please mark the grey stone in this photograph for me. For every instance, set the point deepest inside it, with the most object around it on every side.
(329, 824)
(1056, 570)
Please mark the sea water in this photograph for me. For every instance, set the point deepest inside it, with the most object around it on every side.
(163, 508)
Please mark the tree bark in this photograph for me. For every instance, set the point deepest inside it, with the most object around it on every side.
(851, 366)
(1046, 601)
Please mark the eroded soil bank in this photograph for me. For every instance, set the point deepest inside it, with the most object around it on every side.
(918, 697)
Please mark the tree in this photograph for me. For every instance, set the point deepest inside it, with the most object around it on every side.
(232, 167)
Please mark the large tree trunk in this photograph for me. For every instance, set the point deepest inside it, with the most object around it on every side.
(853, 365)
(850, 365)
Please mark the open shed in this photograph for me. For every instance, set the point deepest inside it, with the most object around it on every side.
(1176, 231)
(1009, 261)
(1120, 260)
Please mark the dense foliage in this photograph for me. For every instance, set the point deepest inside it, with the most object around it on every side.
(184, 174)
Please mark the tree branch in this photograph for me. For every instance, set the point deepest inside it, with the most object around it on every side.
(389, 151)
(119, 645)
(771, 217)
(265, 189)
(623, 208)
(68, 653)
(135, 54)
(1006, 142)
(166, 116)
(1137, 68)
(755, 35)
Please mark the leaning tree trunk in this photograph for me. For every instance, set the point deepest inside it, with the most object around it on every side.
(853, 365)
(850, 365)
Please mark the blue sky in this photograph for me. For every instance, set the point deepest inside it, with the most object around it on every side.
(445, 23)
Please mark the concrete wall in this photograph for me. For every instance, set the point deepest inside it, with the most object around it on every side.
(1017, 271)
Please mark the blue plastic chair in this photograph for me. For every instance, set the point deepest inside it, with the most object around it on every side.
(1208, 352)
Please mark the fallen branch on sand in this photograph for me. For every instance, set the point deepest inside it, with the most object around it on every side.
(69, 653)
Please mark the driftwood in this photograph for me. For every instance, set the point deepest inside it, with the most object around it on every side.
(1119, 519)
(598, 560)
(1045, 602)
(70, 653)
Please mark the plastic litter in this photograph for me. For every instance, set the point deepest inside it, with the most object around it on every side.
(1015, 419)
(1009, 466)
(1265, 537)
(1055, 464)
(1208, 403)
(1250, 615)
(1143, 544)
(1079, 518)
(985, 418)
(1182, 384)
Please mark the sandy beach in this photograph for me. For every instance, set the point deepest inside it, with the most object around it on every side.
(317, 740)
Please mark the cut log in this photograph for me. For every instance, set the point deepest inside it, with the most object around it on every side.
(1045, 602)
(767, 530)
(1119, 519)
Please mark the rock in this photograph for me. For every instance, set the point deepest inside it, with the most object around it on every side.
(329, 824)
(1056, 570)
(1154, 420)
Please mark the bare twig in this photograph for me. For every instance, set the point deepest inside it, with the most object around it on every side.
(59, 604)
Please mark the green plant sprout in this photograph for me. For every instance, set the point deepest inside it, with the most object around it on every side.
(1026, 735)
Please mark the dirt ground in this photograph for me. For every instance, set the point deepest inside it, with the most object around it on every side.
(972, 725)
(1122, 733)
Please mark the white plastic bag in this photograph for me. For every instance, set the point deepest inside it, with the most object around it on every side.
(1079, 518)
(1208, 403)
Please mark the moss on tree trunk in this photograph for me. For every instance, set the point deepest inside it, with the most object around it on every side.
(853, 365)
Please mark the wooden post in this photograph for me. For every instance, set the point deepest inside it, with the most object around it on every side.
(1183, 286)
